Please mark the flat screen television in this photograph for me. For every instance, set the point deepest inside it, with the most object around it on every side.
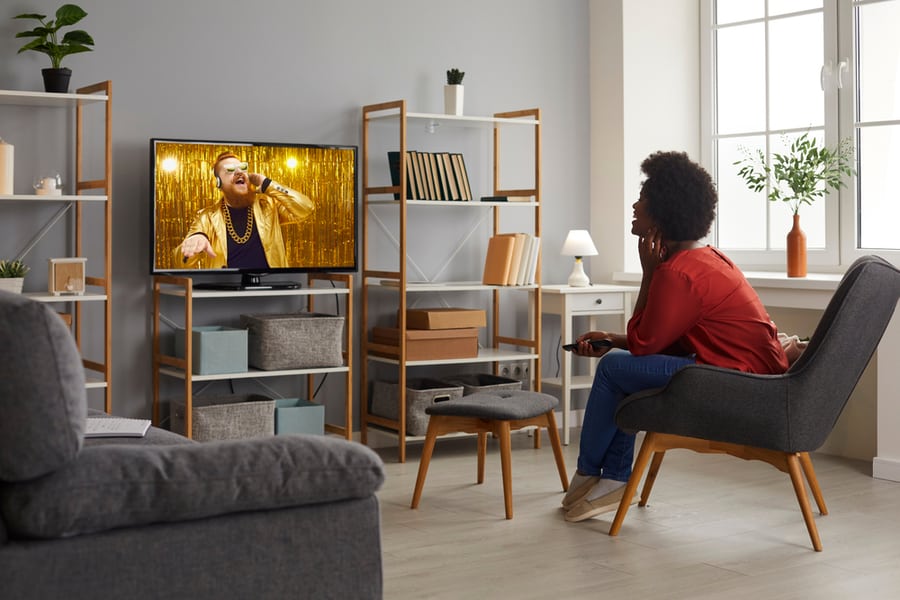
(302, 215)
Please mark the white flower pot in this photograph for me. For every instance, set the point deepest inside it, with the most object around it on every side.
(12, 284)
(453, 100)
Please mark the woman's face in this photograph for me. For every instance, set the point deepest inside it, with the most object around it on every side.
(642, 222)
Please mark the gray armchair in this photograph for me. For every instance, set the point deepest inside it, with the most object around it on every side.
(778, 419)
(162, 516)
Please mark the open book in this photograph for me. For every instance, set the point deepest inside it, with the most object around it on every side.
(115, 427)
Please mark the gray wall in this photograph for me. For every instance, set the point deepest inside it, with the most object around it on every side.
(298, 71)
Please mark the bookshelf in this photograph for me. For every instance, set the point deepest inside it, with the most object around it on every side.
(393, 122)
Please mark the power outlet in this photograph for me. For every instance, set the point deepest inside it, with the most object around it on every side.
(516, 369)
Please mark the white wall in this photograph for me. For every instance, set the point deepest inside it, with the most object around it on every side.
(299, 70)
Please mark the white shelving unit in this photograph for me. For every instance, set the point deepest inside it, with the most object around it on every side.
(501, 347)
(98, 287)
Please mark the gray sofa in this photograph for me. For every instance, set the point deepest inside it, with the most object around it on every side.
(162, 516)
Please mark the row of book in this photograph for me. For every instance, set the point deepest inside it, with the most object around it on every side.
(512, 259)
(431, 175)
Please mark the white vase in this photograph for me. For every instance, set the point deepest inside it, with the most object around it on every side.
(453, 99)
(12, 284)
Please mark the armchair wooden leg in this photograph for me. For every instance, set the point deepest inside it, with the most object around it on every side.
(810, 473)
(631, 487)
(651, 476)
(793, 464)
(553, 434)
(427, 450)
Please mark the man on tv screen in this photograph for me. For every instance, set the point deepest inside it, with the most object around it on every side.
(243, 229)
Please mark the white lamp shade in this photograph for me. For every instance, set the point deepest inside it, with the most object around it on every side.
(579, 243)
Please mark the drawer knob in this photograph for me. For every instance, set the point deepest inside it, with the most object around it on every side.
(598, 301)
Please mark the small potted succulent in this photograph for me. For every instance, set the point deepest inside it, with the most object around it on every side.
(47, 41)
(453, 92)
(12, 275)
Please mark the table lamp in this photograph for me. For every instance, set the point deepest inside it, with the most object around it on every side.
(578, 244)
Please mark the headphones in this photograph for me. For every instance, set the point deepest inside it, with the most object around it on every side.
(218, 181)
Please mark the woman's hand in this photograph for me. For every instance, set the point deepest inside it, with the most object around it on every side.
(652, 250)
(583, 343)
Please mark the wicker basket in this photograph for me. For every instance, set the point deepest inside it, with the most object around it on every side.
(420, 394)
(226, 417)
(483, 382)
(294, 341)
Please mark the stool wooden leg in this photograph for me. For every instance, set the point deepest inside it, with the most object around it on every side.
(482, 450)
(503, 429)
(427, 449)
(553, 434)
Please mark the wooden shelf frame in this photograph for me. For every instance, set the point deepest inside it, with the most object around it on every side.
(395, 112)
(182, 368)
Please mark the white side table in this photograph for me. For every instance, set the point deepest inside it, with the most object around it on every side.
(570, 302)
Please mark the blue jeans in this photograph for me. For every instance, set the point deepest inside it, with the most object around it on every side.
(604, 449)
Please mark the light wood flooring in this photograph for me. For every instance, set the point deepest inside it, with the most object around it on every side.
(715, 527)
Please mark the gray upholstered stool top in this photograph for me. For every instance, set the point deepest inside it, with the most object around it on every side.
(503, 405)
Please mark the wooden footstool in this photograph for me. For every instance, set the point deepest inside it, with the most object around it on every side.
(498, 413)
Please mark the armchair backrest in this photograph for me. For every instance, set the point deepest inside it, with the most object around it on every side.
(841, 346)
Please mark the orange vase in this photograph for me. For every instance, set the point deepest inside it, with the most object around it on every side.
(796, 250)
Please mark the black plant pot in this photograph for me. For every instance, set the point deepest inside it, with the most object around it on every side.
(56, 80)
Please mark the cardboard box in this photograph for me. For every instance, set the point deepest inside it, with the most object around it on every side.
(427, 344)
(299, 416)
(445, 318)
(215, 349)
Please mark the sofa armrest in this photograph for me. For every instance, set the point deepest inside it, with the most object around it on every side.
(120, 485)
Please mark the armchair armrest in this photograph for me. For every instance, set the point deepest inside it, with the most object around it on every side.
(113, 486)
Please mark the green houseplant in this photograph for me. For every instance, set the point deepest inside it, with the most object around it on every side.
(12, 275)
(47, 41)
(803, 174)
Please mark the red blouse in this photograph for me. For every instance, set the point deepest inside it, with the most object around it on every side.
(700, 303)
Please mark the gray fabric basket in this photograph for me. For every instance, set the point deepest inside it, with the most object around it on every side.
(226, 417)
(294, 340)
(420, 394)
(472, 383)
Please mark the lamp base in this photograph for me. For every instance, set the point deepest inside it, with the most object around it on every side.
(578, 278)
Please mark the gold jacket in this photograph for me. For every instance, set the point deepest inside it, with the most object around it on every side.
(278, 206)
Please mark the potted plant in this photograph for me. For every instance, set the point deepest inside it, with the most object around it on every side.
(47, 41)
(453, 92)
(805, 173)
(12, 275)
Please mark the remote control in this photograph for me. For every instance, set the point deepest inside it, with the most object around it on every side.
(595, 344)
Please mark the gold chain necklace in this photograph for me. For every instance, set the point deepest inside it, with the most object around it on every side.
(230, 226)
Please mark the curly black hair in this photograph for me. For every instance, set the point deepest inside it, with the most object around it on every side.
(680, 194)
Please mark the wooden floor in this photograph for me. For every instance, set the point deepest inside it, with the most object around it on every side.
(715, 527)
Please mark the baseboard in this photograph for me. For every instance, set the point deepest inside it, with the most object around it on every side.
(886, 468)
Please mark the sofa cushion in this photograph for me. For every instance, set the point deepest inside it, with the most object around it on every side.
(126, 485)
(42, 394)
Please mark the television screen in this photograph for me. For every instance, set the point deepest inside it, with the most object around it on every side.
(252, 208)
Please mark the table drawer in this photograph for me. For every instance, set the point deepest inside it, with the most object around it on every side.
(611, 301)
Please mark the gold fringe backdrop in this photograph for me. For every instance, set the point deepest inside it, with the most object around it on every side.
(185, 184)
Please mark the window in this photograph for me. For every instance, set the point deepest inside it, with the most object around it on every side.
(777, 68)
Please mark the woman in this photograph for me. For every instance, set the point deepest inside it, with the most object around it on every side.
(694, 306)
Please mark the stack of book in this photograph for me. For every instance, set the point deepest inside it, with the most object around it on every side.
(431, 175)
(511, 259)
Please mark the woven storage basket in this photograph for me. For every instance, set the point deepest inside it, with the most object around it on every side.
(294, 341)
(473, 383)
(226, 417)
(420, 394)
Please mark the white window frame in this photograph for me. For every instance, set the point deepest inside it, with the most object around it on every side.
(840, 112)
